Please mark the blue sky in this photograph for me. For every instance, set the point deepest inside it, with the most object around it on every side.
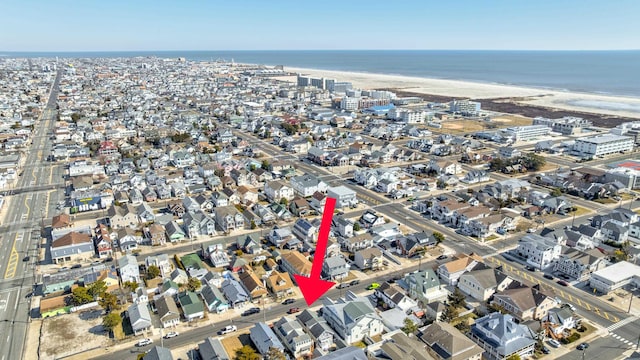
(102, 25)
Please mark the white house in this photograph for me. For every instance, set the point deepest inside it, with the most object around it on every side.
(539, 251)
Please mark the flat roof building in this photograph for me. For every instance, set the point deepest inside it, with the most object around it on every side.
(615, 276)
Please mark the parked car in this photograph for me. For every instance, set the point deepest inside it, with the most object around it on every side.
(228, 329)
(354, 282)
(288, 302)
(563, 283)
(293, 310)
(373, 286)
(570, 306)
(76, 266)
(144, 342)
(582, 346)
(251, 311)
(171, 334)
(442, 257)
(530, 268)
(343, 286)
(26, 258)
(545, 350)
(555, 343)
(548, 276)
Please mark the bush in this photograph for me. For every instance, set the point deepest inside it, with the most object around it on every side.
(571, 338)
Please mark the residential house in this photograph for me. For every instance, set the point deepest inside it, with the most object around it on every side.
(191, 305)
(559, 321)
(369, 258)
(235, 293)
(414, 243)
(358, 242)
(394, 297)
(371, 219)
(500, 336)
(295, 263)
(161, 261)
(451, 271)
(304, 230)
(123, 216)
(424, 286)
(128, 239)
(299, 206)
(102, 242)
(128, 268)
(216, 255)
(351, 318)
(306, 185)
(280, 236)
(539, 251)
(264, 338)
(342, 226)
(249, 244)
(293, 337)
(317, 327)
(445, 342)
(400, 346)
(145, 213)
(335, 268)
(524, 303)
(347, 353)
(483, 281)
(167, 311)
(174, 232)
(345, 197)
(140, 318)
(255, 287)
(179, 276)
(579, 265)
(212, 349)
(199, 224)
(247, 195)
(229, 218)
(158, 353)
(280, 284)
(73, 246)
(277, 190)
(156, 234)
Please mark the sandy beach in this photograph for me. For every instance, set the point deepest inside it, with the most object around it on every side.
(572, 101)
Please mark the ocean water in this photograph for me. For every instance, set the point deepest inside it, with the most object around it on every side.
(602, 72)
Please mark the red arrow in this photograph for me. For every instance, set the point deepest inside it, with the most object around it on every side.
(312, 287)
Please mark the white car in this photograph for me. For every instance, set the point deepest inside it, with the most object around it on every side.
(171, 335)
(228, 329)
(144, 342)
(555, 343)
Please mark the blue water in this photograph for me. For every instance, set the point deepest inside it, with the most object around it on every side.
(604, 72)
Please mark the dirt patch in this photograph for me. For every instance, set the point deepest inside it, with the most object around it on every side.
(84, 330)
(231, 344)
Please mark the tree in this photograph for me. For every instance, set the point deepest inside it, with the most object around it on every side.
(356, 226)
(450, 312)
(265, 164)
(463, 326)
(514, 357)
(153, 272)
(97, 289)
(246, 353)
(253, 225)
(556, 192)
(81, 296)
(275, 354)
(533, 161)
(409, 326)
(111, 320)
(457, 298)
(438, 236)
(284, 201)
(75, 117)
(108, 302)
(493, 307)
(193, 284)
(131, 285)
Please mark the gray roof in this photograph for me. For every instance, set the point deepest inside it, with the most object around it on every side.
(158, 353)
(234, 291)
(262, 335)
(502, 333)
(348, 353)
(212, 295)
(212, 349)
(139, 316)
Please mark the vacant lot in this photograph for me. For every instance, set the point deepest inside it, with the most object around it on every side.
(83, 330)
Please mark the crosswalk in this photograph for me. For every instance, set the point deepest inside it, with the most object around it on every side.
(619, 325)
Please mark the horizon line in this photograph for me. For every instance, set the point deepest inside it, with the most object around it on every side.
(292, 50)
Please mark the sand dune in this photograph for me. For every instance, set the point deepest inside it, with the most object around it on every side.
(584, 102)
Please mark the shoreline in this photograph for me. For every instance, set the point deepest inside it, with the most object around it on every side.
(598, 104)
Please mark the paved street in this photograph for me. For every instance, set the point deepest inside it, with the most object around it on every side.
(18, 241)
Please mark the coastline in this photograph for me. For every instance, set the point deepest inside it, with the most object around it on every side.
(600, 104)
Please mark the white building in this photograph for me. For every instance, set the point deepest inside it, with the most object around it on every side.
(349, 103)
(615, 276)
(345, 197)
(539, 251)
(464, 107)
(526, 133)
(602, 145)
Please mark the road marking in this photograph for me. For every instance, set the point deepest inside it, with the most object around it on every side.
(12, 265)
